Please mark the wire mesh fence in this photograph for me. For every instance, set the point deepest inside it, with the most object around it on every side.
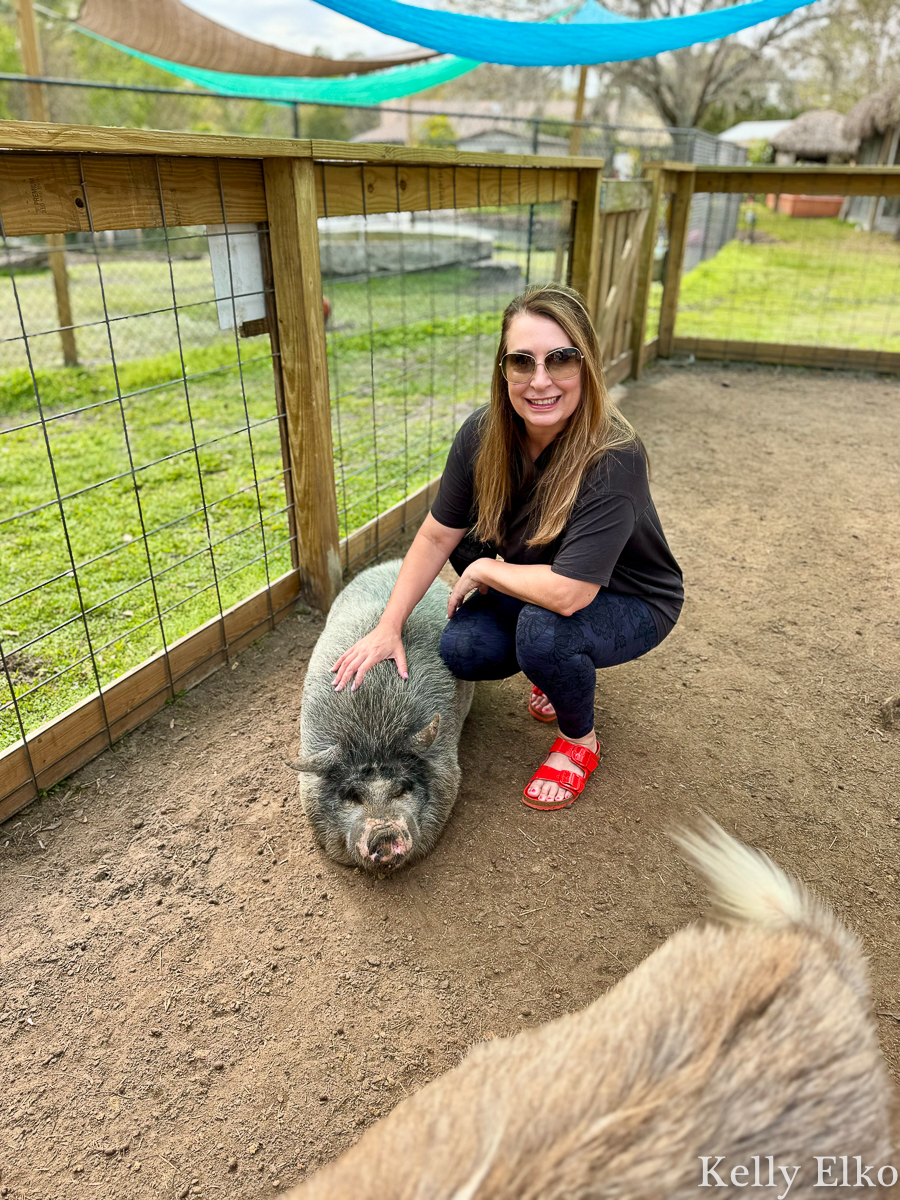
(415, 305)
(798, 280)
(163, 499)
(143, 492)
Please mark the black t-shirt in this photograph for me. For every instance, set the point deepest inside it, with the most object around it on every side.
(613, 536)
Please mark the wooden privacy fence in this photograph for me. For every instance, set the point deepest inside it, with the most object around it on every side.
(57, 180)
(679, 183)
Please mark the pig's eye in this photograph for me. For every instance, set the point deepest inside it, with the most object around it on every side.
(352, 796)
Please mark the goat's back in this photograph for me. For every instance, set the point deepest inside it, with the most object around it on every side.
(751, 1038)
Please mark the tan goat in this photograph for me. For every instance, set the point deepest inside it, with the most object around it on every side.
(740, 1053)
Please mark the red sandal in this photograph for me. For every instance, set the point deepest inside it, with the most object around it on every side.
(582, 756)
(536, 691)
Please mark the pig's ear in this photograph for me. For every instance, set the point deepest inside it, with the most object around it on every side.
(426, 736)
(313, 764)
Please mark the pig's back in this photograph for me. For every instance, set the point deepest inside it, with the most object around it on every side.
(386, 709)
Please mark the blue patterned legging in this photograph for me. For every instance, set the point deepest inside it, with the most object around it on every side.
(494, 636)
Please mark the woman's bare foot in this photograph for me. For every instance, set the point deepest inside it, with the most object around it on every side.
(550, 793)
(541, 704)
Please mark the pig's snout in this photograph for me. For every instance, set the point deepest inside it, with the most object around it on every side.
(385, 844)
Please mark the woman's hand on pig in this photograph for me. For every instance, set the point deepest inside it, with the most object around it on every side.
(374, 648)
(469, 581)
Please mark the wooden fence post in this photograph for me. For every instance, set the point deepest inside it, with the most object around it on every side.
(645, 275)
(565, 211)
(30, 48)
(584, 260)
(683, 194)
(293, 234)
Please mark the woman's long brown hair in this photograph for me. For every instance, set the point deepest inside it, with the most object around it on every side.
(504, 467)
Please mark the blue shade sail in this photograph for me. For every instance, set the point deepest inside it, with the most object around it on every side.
(525, 44)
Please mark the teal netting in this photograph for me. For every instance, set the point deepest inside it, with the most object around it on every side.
(363, 89)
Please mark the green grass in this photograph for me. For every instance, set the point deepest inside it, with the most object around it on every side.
(103, 523)
(429, 352)
(804, 281)
(132, 286)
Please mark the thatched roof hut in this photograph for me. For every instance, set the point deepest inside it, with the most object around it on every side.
(815, 136)
(874, 122)
(874, 114)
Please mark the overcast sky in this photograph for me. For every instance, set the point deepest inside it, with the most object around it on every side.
(299, 25)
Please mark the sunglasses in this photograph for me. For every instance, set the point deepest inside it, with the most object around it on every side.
(519, 367)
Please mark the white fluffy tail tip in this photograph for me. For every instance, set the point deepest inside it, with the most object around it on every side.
(744, 885)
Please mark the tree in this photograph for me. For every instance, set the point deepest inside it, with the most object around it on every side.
(437, 131)
(776, 69)
(328, 123)
(9, 61)
(684, 85)
(749, 103)
(854, 54)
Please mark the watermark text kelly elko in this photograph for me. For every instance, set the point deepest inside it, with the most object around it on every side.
(761, 1170)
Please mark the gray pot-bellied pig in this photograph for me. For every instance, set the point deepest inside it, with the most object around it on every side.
(738, 1051)
(378, 766)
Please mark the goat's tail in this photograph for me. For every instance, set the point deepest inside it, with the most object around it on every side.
(747, 888)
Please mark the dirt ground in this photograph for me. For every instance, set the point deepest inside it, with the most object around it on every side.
(195, 1002)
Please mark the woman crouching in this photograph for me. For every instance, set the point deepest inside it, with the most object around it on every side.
(551, 478)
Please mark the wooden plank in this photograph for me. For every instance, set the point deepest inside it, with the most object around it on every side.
(678, 225)
(92, 139)
(44, 193)
(644, 278)
(206, 650)
(57, 259)
(345, 190)
(625, 264)
(625, 195)
(833, 357)
(808, 181)
(368, 541)
(605, 235)
(250, 615)
(38, 194)
(649, 351)
(60, 741)
(606, 271)
(670, 166)
(636, 223)
(618, 369)
(268, 273)
(606, 321)
(15, 801)
(438, 157)
(77, 736)
(291, 201)
(584, 260)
